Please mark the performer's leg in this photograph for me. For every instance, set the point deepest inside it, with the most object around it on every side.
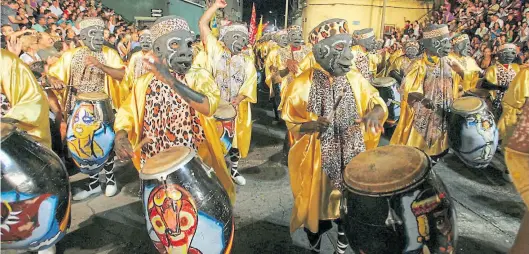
(234, 156)
(521, 245)
(315, 238)
(111, 186)
(93, 187)
(342, 241)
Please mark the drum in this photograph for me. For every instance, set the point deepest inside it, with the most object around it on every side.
(90, 134)
(482, 94)
(394, 203)
(225, 116)
(472, 132)
(388, 90)
(35, 203)
(186, 208)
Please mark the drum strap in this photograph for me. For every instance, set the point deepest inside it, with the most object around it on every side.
(475, 149)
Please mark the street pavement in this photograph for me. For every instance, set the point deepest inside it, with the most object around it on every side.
(488, 208)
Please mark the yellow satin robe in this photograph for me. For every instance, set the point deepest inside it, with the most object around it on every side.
(314, 197)
(394, 56)
(243, 122)
(405, 133)
(29, 104)
(200, 57)
(512, 103)
(471, 69)
(130, 118)
(308, 62)
(130, 74)
(491, 75)
(375, 60)
(401, 64)
(115, 90)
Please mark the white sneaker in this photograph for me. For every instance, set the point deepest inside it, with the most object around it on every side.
(50, 250)
(506, 176)
(111, 190)
(240, 180)
(81, 194)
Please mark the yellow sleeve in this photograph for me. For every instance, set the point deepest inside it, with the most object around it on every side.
(29, 104)
(294, 111)
(213, 47)
(272, 60)
(518, 90)
(249, 88)
(307, 62)
(125, 115)
(413, 82)
(396, 65)
(200, 80)
(490, 75)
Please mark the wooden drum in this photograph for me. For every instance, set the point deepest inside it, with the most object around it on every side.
(394, 203)
(388, 90)
(225, 116)
(35, 203)
(186, 208)
(90, 134)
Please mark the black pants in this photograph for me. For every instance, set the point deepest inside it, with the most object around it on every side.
(56, 140)
(276, 101)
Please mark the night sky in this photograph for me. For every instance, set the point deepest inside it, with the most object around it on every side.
(263, 7)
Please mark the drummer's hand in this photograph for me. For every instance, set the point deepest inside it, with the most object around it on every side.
(276, 79)
(92, 61)
(372, 121)
(456, 66)
(122, 146)
(55, 83)
(292, 66)
(155, 65)
(427, 103)
(319, 125)
(235, 102)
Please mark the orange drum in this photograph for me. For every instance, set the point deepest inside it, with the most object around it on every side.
(225, 116)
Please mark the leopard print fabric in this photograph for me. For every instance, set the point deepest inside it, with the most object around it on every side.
(437, 86)
(344, 139)
(169, 121)
(361, 62)
(504, 76)
(85, 79)
(5, 106)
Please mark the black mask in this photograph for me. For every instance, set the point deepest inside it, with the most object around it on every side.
(146, 41)
(462, 48)
(507, 56)
(369, 43)
(334, 54)
(295, 37)
(235, 41)
(176, 50)
(93, 37)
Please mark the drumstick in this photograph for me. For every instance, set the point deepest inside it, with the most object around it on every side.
(49, 87)
(143, 142)
(336, 103)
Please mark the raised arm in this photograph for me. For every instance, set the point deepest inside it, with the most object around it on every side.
(203, 23)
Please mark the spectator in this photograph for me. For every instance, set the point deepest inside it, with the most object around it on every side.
(496, 20)
(56, 9)
(524, 32)
(30, 48)
(496, 31)
(494, 7)
(510, 20)
(9, 15)
(45, 41)
(124, 45)
(23, 18)
(487, 59)
(41, 24)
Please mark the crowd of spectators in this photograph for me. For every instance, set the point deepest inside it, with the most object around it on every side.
(488, 23)
(40, 30)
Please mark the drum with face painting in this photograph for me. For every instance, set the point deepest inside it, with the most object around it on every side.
(388, 90)
(225, 116)
(472, 132)
(35, 203)
(394, 203)
(90, 134)
(186, 208)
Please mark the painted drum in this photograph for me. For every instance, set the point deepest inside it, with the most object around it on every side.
(472, 132)
(388, 89)
(186, 208)
(225, 116)
(35, 203)
(482, 94)
(394, 203)
(90, 134)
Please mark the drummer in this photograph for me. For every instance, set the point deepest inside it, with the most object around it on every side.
(170, 104)
(309, 99)
(399, 67)
(235, 74)
(91, 68)
(461, 53)
(23, 102)
(427, 97)
(136, 68)
(515, 97)
(364, 42)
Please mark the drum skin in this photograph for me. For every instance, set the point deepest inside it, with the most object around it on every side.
(190, 212)
(35, 204)
(482, 94)
(425, 211)
(473, 137)
(90, 134)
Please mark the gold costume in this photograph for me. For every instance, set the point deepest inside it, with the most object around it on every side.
(512, 103)
(396, 54)
(135, 68)
(471, 69)
(375, 59)
(517, 153)
(314, 197)
(200, 57)
(235, 75)
(27, 101)
(307, 63)
(401, 64)
(130, 118)
(277, 59)
(426, 130)
(499, 75)
(73, 61)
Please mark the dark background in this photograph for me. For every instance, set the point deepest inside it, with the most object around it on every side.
(263, 7)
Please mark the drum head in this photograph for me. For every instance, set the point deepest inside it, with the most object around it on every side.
(166, 162)
(225, 111)
(467, 105)
(95, 96)
(384, 82)
(386, 170)
(6, 130)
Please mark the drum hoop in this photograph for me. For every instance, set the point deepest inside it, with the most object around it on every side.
(394, 82)
(466, 113)
(11, 133)
(163, 175)
(420, 179)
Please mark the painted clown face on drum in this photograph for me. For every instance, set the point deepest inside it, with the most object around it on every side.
(235, 41)
(175, 49)
(507, 56)
(462, 48)
(146, 41)
(295, 37)
(438, 46)
(93, 37)
(369, 43)
(334, 54)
